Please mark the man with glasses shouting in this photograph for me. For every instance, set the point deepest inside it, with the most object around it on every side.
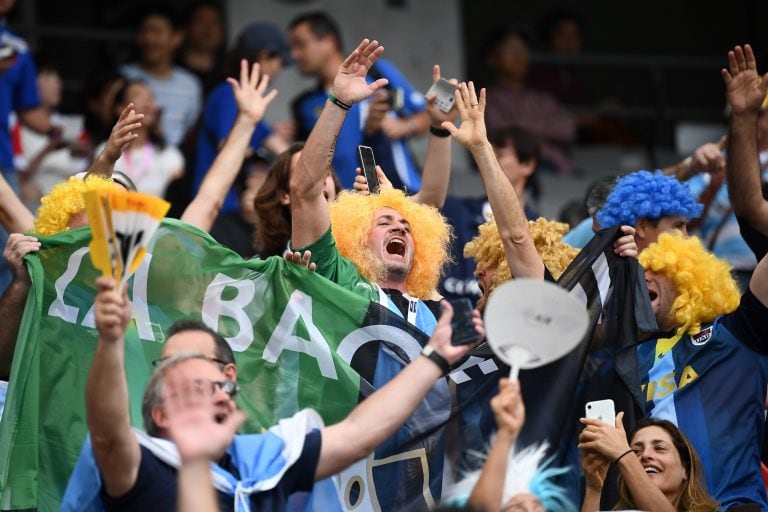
(254, 471)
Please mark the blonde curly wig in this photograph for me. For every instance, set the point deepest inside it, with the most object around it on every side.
(705, 287)
(64, 200)
(488, 250)
(351, 221)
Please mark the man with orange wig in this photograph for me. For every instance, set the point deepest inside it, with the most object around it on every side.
(383, 246)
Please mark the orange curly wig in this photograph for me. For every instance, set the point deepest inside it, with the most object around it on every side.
(351, 222)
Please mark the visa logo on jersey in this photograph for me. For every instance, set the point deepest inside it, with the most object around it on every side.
(667, 384)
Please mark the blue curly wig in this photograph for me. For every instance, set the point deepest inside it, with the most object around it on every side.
(647, 195)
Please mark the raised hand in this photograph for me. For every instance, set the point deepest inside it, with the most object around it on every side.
(191, 420)
(608, 440)
(595, 468)
(745, 88)
(441, 336)
(508, 407)
(350, 85)
(300, 259)
(112, 310)
(378, 106)
(709, 157)
(250, 92)
(626, 245)
(436, 116)
(123, 133)
(361, 184)
(471, 132)
(16, 248)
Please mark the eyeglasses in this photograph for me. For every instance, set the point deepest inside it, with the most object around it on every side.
(222, 364)
(229, 387)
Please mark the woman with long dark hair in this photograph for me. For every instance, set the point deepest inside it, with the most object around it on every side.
(659, 468)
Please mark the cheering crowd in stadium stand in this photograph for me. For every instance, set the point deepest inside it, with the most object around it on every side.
(688, 291)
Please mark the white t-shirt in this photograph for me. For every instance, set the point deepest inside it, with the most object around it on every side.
(149, 168)
(57, 165)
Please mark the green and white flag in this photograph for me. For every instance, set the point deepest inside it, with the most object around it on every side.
(296, 337)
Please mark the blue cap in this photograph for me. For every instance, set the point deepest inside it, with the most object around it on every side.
(264, 36)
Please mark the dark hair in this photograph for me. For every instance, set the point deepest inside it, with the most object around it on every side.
(693, 494)
(161, 10)
(156, 136)
(320, 24)
(499, 35)
(527, 149)
(554, 18)
(273, 226)
(217, 5)
(222, 349)
(526, 145)
(597, 194)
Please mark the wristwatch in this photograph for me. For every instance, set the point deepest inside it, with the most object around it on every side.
(430, 353)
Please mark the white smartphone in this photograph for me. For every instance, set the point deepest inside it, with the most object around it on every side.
(602, 410)
(443, 91)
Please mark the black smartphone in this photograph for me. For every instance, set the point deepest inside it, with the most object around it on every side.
(463, 329)
(368, 165)
(396, 98)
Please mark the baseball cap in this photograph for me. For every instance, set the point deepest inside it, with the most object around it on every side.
(260, 36)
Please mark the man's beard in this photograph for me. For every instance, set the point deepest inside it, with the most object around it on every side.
(396, 272)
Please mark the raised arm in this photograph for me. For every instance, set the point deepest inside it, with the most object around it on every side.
(14, 298)
(522, 257)
(437, 166)
(252, 101)
(746, 90)
(115, 447)
(14, 216)
(123, 133)
(509, 410)
(377, 417)
(309, 209)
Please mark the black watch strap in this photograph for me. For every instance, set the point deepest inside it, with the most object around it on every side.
(431, 354)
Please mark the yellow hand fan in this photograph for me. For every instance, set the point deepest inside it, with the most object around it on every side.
(122, 223)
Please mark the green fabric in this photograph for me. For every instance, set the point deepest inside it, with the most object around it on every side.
(255, 304)
(332, 265)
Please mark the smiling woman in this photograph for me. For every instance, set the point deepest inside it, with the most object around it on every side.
(671, 462)
(658, 467)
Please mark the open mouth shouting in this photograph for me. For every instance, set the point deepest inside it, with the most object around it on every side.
(396, 247)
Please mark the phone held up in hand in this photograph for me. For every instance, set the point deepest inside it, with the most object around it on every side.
(443, 91)
(602, 410)
(368, 165)
(463, 329)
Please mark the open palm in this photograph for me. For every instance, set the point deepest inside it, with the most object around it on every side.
(745, 88)
(471, 132)
(350, 85)
(251, 91)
